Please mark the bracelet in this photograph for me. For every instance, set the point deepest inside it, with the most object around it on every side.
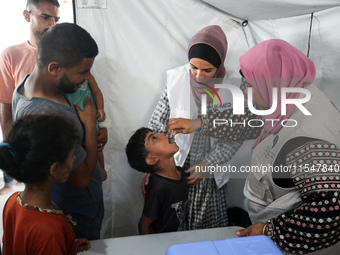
(264, 229)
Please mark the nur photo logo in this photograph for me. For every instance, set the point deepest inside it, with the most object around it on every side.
(238, 104)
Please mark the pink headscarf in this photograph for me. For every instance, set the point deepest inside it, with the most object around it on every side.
(213, 36)
(276, 64)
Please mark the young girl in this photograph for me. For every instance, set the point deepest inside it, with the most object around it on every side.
(39, 151)
(90, 89)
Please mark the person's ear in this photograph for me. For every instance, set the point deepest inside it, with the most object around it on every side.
(54, 169)
(151, 160)
(55, 69)
(27, 15)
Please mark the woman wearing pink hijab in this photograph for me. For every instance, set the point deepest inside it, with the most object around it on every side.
(298, 203)
(207, 204)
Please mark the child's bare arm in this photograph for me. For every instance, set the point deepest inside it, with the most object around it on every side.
(144, 225)
(98, 97)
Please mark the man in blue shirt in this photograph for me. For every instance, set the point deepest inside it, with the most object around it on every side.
(66, 53)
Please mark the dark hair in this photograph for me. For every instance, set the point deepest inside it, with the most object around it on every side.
(31, 3)
(136, 152)
(67, 44)
(35, 142)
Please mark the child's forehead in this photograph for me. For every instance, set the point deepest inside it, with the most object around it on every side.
(148, 135)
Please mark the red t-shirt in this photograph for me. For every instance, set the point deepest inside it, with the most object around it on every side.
(29, 231)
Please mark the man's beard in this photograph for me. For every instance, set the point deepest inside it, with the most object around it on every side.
(66, 86)
(37, 33)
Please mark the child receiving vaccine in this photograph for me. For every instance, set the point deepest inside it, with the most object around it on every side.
(165, 204)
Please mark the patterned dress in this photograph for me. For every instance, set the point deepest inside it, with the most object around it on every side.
(207, 202)
(315, 165)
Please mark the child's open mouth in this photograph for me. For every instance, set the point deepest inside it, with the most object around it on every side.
(171, 140)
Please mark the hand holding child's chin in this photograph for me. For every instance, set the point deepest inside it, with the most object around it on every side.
(197, 173)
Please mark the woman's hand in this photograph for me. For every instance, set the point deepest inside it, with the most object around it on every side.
(197, 174)
(145, 182)
(181, 125)
(253, 230)
(82, 244)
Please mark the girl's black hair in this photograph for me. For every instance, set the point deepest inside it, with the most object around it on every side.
(34, 143)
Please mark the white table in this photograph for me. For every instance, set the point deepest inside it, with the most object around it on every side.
(156, 244)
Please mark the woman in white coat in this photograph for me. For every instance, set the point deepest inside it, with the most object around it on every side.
(182, 98)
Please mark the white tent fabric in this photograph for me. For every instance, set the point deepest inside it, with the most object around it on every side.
(266, 9)
(139, 40)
